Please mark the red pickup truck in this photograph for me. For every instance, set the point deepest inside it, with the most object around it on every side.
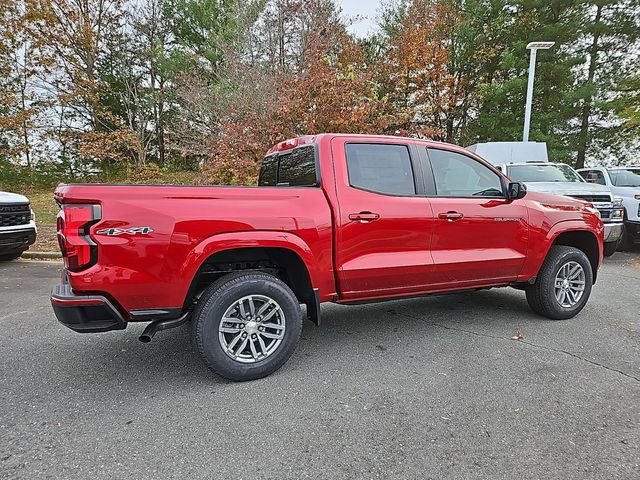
(334, 218)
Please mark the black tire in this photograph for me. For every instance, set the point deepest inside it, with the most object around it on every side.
(626, 242)
(215, 302)
(10, 256)
(541, 295)
(610, 248)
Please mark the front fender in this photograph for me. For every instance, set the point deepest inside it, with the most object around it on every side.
(540, 249)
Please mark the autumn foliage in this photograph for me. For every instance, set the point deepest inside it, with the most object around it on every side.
(209, 85)
(410, 90)
(418, 74)
(335, 93)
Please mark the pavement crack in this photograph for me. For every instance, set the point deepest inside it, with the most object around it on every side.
(525, 342)
(574, 355)
(446, 327)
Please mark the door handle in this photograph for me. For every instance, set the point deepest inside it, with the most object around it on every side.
(364, 217)
(450, 216)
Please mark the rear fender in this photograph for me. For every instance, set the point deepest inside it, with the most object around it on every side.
(252, 239)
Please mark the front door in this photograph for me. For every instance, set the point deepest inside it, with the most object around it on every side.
(384, 222)
(479, 237)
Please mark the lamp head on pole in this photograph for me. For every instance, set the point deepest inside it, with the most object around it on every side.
(540, 45)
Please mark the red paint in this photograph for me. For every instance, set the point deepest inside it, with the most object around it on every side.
(356, 244)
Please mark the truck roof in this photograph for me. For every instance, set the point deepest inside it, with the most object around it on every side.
(518, 164)
(312, 139)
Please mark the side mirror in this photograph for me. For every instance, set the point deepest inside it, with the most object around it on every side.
(516, 190)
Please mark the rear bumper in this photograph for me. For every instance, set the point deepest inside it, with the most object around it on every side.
(85, 313)
(16, 240)
(612, 232)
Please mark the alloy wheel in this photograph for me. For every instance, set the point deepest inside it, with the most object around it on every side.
(569, 284)
(252, 328)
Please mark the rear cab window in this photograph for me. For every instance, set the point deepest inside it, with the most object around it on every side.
(269, 171)
(293, 168)
(380, 168)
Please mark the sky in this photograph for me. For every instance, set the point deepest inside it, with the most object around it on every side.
(364, 11)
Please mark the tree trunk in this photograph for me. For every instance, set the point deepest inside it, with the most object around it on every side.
(159, 121)
(583, 139)
(23, 106)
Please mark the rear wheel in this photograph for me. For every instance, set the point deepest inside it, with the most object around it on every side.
(563, 285)
(247, 325)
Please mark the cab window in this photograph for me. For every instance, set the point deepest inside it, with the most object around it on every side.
(593, 176)
(380, 168)
(457, 175)
(295, 168)
(269, 171)
(298, 168)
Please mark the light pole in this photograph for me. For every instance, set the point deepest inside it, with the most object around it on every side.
(534, 47)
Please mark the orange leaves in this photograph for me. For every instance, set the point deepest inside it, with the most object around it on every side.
(116, 145)
(418, 73)
(334, 93)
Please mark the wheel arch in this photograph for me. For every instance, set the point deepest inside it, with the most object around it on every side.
(282, 254)
(585, 241)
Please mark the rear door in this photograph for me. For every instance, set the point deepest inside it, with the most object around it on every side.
(385, 222)
(479, 236)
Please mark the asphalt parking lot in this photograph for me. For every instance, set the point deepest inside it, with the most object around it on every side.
(423, 388)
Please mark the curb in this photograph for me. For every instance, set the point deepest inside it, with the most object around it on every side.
(42, 255)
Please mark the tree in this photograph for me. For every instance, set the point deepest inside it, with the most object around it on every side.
(499, 113)
(418, 72)
(268, 100)
(68, 38)
(19, 106)
(627, 103)
(610, 30)
(137, 88)
(205, 37)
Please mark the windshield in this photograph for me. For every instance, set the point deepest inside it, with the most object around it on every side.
(625, 177)
(543, 173)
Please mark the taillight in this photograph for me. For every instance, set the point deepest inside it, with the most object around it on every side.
(73, 223)
(291, 143)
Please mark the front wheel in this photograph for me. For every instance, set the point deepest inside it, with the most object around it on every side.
(247, 325)
(563, 285)
(610, 248)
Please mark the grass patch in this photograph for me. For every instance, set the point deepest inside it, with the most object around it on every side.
(42, 203)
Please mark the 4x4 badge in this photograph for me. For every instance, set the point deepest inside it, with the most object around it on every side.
(120, 231)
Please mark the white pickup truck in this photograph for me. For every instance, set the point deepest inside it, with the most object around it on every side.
(527, 162)
(17, 225)
(623, 182)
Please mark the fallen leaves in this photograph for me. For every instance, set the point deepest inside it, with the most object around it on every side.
(518, 336)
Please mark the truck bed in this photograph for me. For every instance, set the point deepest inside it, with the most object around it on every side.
(190, 223)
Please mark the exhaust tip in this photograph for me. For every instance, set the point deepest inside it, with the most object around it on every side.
(158, 325)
